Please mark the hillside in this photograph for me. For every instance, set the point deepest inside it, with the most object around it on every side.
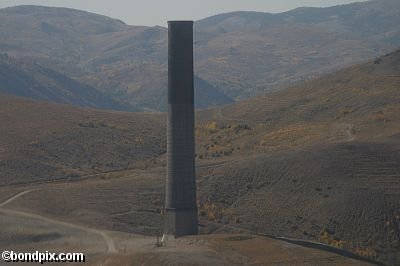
(239, 54)
(330, 169)
(43, 141)
(362, 101)
(260, 51)
(318, 161)
(31, 80)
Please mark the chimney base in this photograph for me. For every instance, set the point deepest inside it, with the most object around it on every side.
(179, 223)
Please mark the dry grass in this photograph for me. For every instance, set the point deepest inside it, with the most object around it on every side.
(281, 164)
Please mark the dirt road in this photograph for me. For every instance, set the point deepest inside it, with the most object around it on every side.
(109, 242)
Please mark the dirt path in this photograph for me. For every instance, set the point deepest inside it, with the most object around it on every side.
(110, 245)
(304, 243)
(174, 253)
(7, 201)
(133, 172)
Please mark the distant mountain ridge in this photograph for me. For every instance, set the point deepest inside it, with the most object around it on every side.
(31, 80)
(264, 51)
(239, 54)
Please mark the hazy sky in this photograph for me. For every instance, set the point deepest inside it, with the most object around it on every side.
(151, 12)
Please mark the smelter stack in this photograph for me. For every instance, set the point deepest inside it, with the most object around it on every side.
(180, 205)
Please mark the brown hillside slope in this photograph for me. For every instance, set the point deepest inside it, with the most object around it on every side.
(43, 141)
(360, 102)
(318, 161)
(331, 164)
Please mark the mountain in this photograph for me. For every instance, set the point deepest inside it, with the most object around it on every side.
(207, 95)
(31, 80)
(318, 161)
(260, 51)
(359, 102)
(54, 34)
(122, 60)
(239, 54)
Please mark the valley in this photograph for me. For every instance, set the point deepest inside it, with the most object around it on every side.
(238, 55)
(297, 129)
(318, 162)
